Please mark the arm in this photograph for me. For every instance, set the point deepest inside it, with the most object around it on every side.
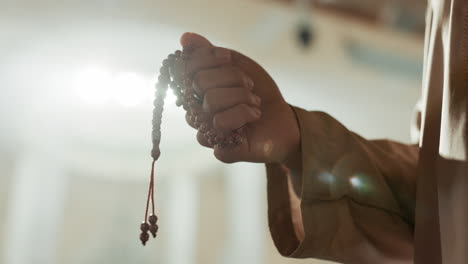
(354, 198)
(351, 200)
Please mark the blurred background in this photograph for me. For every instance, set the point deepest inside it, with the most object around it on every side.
(76, 83)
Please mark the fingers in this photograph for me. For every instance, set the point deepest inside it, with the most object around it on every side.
(193, 40)
(220, 77)
(207, 57)
(221, 99)
(235, 117)
(228, 101)
(231, 108)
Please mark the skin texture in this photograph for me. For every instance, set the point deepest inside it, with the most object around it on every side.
(237, 92)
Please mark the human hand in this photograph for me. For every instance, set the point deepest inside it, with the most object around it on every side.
(237, 92)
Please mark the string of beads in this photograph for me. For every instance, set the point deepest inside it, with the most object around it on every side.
(173, 73)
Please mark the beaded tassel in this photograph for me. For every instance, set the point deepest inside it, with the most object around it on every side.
(173, 74)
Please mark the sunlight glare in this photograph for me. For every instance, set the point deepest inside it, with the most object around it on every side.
(93, 85)
(130, 89)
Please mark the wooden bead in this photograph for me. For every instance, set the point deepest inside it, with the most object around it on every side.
(173, 85)
(160, 86)
(218, 139)
(156, 141)
(159, 99)
(153, 229)
(155, 153)
(200, 117)
(203, 128)
(164, 79)
(157, 114)
(156, 122)
(144, 227)
(144, 238)
(192, 118)
(210, 133)
(164, 70)
(179, 102)
(156, 103)
(158, 106)
(178, 81)
(177, 92)
(161, 93)
(211, 141)
(152, 219)
(156, 134)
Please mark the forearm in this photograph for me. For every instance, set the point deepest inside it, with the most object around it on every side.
(339, 188)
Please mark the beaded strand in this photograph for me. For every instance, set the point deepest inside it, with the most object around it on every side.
(173, 74)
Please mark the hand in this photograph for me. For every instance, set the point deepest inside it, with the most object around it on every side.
(237, 92)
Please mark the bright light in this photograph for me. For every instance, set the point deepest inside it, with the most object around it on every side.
(93, 85)
(170, 99)
(355, 182)
(130, 89)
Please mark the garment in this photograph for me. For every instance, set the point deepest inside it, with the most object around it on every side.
(378, 201)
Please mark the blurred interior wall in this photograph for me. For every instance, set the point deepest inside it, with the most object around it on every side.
(73, 177)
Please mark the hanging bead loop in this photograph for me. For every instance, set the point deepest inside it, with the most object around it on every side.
(173, 74)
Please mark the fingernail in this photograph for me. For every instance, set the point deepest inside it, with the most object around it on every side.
(221, 53)
(257, 112)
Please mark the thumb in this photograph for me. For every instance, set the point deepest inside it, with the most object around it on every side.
(194, 40)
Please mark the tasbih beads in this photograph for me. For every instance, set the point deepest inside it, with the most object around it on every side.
(152, 227)
(173, 73)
